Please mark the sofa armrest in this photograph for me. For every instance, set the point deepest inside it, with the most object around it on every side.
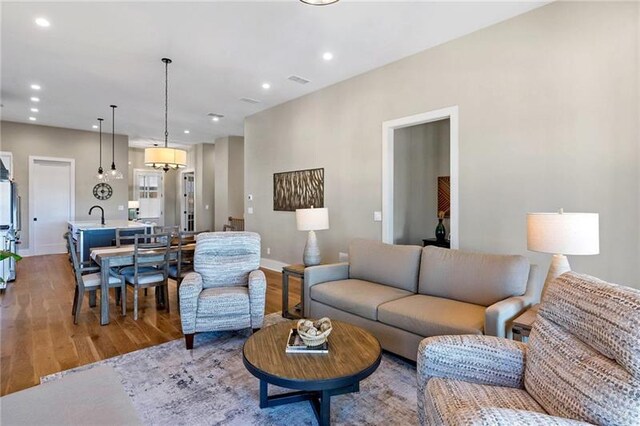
(257, 297)
(190, 289)
(507, 416)
(321, 274)
(497, 317)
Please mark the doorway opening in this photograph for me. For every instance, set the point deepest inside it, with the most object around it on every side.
(52, 192)
(419, 165)
(188, 201)
(148, 190)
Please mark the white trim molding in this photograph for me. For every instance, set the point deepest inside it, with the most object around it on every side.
(388, 130)
(272, 264)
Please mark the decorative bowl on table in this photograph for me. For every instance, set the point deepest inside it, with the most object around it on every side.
(314, 333)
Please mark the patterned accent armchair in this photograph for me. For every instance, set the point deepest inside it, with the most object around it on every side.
(582, 364)
(226, 291)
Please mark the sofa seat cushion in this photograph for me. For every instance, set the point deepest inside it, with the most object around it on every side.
(446, 399)
(358, 297)
(432, 316)
(223, 302)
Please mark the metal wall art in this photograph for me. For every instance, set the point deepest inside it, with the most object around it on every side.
(301, 189)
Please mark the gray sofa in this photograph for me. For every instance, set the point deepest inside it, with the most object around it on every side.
(403, 294)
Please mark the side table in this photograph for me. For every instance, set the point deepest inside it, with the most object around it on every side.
(298, 272)
(522, 325)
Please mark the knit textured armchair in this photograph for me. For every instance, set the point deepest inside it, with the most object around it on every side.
(226, 291)
(582, 364)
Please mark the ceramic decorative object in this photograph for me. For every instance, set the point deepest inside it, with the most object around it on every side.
(314, 333)
(441, 231)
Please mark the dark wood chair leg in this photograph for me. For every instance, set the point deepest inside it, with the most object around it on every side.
(188, 339)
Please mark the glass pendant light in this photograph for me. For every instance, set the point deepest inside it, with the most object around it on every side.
(319, 2)
(114, 173)
(165, 158)
(101, 176)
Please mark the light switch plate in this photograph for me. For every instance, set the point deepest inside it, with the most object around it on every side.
(377, 216)
(250, 197)
(206, 206)
(121, 208)
(250, 210)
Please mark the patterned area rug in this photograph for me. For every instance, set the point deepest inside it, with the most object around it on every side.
(169, 385)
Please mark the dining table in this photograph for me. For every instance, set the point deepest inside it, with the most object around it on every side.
(119, 257)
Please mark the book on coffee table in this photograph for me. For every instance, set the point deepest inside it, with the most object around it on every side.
(295, 345)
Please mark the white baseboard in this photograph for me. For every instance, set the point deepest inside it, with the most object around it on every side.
(272, 265)
(25, 252)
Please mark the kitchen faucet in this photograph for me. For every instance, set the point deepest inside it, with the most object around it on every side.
(101, 210)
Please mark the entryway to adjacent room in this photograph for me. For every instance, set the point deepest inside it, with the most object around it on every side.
(420, 179)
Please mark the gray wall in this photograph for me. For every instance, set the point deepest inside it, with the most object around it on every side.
(229, 179)
(205, 160)
(548, 107)
(24, 140)
(421, 155)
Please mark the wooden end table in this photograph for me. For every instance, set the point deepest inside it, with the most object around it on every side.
(354, 354)
(522, 325)
(297, 271)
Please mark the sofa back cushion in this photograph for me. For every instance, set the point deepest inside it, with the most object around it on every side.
(388, 264)
(583, 359)
(224, 259)
(482, 279)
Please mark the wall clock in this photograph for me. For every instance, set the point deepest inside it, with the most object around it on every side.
(102, 191)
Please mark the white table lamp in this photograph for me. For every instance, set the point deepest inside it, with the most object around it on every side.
(561, 234)
(312, 220)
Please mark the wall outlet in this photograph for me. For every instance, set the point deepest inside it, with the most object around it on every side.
(343, 257)
(121, 208)
(377, 216)
(250, 210)
(268, 250)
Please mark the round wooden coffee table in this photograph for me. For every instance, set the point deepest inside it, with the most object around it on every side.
(353, 355)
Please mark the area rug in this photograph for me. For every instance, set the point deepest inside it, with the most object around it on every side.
(169, 385)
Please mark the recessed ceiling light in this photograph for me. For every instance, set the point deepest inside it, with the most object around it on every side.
(42, 22)
(34, 109)
(95, 126)
(186, 132)
(327, 56)
(216, 118)
(35, 99)
(32, 118)
(35, 87)
(266, 86)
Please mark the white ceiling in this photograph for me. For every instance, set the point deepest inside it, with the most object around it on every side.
(97, 54)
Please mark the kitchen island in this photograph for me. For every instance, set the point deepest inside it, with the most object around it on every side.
(90, 233)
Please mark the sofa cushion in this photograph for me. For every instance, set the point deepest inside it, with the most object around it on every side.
(446, 400)
(387, 264)
(432, 316)
(478, 278)
(358, 297)
(223, 302)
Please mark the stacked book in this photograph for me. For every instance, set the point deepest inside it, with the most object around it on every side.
(295, 345)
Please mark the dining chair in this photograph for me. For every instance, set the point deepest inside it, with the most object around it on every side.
(150, 266)
(92, 282)
(184, 258)
(235, 224)
(88, 266)
(124, 236)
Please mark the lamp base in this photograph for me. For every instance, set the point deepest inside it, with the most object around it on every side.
(559, 265)
(311, 255)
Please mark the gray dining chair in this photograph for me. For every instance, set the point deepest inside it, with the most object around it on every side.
(124, 236)
(184, 259)
(92, 282)
(150, 266)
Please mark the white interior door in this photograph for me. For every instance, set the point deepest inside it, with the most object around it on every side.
(149, 191)
(52, 189)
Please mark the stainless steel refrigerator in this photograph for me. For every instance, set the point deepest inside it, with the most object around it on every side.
(9, 223)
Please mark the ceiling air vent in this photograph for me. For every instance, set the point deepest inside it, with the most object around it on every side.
(250, 100)
(298, 79)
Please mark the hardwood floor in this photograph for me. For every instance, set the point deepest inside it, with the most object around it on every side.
(38, 337)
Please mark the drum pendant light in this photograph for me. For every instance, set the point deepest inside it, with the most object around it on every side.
(165, 158)
(101, 176)
(114, 173)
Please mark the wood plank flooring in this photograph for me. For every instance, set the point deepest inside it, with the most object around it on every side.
(38, 337)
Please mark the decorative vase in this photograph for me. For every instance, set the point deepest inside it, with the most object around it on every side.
(441, 231)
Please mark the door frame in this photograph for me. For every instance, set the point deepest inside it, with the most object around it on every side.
(72, 200)
(388, 132)
(195, 196)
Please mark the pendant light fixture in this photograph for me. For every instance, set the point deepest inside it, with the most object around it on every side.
(114, 173)
(101, 176)
(165, 158)
(319, 2)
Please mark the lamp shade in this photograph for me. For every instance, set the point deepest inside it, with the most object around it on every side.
(159, 156)
(312, 219)
(563, 233)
